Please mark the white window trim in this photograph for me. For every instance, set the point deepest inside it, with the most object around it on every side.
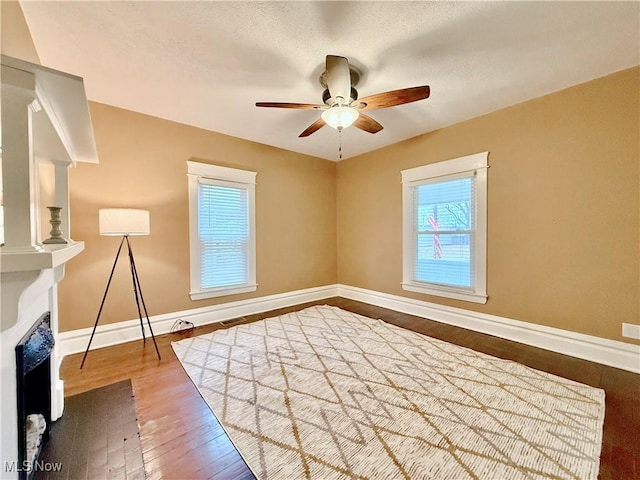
(196, 172)
(477, 163)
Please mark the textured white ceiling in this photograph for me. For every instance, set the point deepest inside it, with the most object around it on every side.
(207, 63)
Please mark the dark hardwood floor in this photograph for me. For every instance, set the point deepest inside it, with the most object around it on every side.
(96, 438)
(181, 438)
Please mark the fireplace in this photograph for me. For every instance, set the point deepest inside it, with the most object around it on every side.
(46, 129)
(33, 382)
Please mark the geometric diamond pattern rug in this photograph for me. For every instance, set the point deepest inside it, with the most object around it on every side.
(328, 394)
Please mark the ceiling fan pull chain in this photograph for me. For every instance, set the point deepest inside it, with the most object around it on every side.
(340, 143)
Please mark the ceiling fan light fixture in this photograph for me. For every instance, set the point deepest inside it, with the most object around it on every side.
(340, 117)
(342, 106)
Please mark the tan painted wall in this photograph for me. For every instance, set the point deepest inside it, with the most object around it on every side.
(563, 216)
(143, 165)
(564, 229)
(15, 38)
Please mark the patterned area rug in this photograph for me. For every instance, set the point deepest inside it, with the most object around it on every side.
(328, 394)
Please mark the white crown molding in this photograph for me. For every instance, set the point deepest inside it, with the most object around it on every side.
(613, 353)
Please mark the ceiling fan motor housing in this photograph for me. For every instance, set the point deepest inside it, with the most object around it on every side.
(326, 97)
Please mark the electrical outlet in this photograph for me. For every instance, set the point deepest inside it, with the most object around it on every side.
(630, 330)
(181, 325)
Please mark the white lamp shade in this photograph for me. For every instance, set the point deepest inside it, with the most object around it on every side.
(340, 117)
(123, 221)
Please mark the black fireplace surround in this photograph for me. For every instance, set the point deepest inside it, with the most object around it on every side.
(33, 361)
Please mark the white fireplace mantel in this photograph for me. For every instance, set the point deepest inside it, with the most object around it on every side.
(45, 119)
(50, 256)
(45, 122)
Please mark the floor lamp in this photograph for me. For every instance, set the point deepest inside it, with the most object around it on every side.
(125, 222)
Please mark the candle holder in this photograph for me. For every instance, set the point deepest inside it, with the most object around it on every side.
(56, 233)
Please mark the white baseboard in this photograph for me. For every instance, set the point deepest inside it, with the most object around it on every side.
(600, 350)
(76, 341)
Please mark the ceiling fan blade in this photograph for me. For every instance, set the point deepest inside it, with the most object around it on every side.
(314, 127)
(368, 124)
(305, 106)
(338, 78)
(392, 98)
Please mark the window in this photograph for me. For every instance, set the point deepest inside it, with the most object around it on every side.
(445, 228)
(221, 230)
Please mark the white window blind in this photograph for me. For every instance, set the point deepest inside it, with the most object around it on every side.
(444, 228)
(444, 232)
(223, 232)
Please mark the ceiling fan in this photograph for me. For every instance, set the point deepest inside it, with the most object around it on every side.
(342, 107)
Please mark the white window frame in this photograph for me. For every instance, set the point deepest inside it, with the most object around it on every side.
(476, 164)
(207, 173)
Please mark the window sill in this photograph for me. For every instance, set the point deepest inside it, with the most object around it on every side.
(222, 291)
(444, 292)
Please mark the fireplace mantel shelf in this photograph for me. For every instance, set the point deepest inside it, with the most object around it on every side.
(51, 256)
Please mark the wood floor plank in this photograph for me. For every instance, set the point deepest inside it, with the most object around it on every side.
(182, 439)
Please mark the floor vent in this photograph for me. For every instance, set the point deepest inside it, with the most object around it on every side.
(233, 321)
